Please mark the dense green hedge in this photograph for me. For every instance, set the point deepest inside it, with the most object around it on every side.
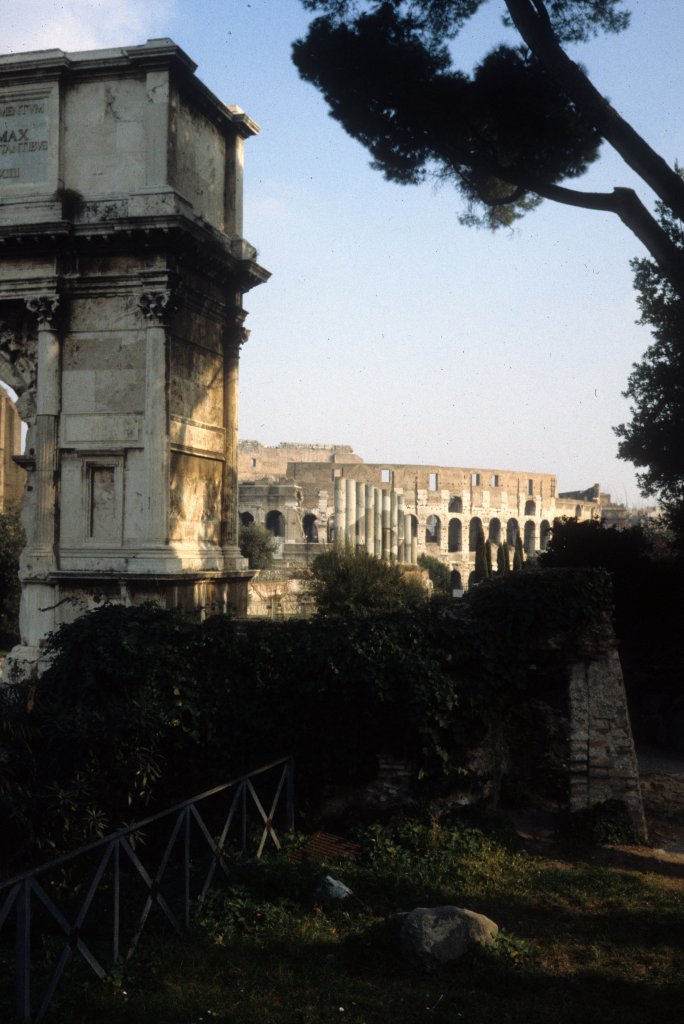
(142, 707)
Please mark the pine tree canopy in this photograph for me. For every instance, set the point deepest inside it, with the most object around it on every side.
(508, 133)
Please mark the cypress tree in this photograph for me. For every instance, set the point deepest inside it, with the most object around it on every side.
(502, 559)
(518, 559)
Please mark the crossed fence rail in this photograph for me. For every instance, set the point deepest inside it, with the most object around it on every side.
(230, 804)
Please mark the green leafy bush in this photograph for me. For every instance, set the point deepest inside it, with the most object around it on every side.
(355, 583)
(257, 545)
(12, 540)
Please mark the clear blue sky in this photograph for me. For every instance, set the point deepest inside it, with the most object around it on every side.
(387, 325)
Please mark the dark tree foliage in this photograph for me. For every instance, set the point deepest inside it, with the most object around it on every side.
(507, 134)
(438, 573)
(483, 557)
(355, 583)
(648, 589)
(12, 540)
(257, 545)
(652, 440)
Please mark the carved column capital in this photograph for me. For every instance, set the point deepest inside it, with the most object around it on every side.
(237, 333)
(157, 306)
(44, 308)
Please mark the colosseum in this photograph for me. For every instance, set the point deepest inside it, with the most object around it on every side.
(309, 495)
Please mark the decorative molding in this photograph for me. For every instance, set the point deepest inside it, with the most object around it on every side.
(44, 308)
(157, 306)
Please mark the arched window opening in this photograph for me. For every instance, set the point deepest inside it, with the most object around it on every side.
(578, 511)
(545, 535)
(455, 504)
(310, 529)
(495, 531)
(330, 530)
(455, 580)
(530, 538)
(433, 530)
(413, 535)
(512, 531)
(455, 535)
(474, 531)
(246, 518)
(530, 508)
(275, 523)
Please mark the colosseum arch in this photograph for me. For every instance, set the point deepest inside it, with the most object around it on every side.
(455, 503)
(275, 523)
(433, 530)
(512, 531)
(473, 532)
(455, 535)
(246, 518)
(530, 508)
(310, 528)
(544, 535)
(530, 537)
(495, 531)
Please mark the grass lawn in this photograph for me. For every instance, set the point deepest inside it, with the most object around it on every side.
(580, 943)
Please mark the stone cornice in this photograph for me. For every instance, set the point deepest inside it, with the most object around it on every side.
(210, 250)
(154, 55)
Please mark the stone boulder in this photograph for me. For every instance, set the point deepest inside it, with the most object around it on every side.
(432, 936)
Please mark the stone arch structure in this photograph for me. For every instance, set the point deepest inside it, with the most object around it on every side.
(455, 580)
(433, 530)
(473, 532)
(121, 324)
(530, 508)
(578, 511)
(544, 535)
(310, 528)
(530, 538)
(455, 535)
(495, 531)
(455, 503)
(512, 531)
(246, 518)
(275, 523)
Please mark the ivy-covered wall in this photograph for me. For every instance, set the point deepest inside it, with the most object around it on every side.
(141, 707)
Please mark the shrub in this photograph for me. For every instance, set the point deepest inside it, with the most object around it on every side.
(355, 583)
(12, 541)
(257, 545)
(438, 573)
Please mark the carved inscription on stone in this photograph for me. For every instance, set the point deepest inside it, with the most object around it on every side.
(23, 141)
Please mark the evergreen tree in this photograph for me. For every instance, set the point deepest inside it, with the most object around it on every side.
(509, 133)
(518, 557)
(653, 438)
(482, 563)
(502, 559)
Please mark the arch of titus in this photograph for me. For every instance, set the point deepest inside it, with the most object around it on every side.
(122, 271)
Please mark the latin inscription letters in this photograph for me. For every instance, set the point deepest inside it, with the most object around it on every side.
(23, 141)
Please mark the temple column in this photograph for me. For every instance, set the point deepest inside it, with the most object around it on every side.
(386, 526)
(41, 557)
(350, 519)
(401, 547)
(155, 307)
(394, 527)
(236, 336)
(340, 510)
(360, 516)
(377, 515)
(407, 537)
(370, 519)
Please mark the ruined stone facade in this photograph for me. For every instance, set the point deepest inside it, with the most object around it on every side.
(122, 270)
(12, 477)
(423, 509)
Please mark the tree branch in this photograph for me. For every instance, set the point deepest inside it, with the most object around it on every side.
(635, 151)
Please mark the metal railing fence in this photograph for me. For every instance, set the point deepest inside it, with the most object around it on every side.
(230, 806)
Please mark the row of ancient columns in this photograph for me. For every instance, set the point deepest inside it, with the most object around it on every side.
(373, 519)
